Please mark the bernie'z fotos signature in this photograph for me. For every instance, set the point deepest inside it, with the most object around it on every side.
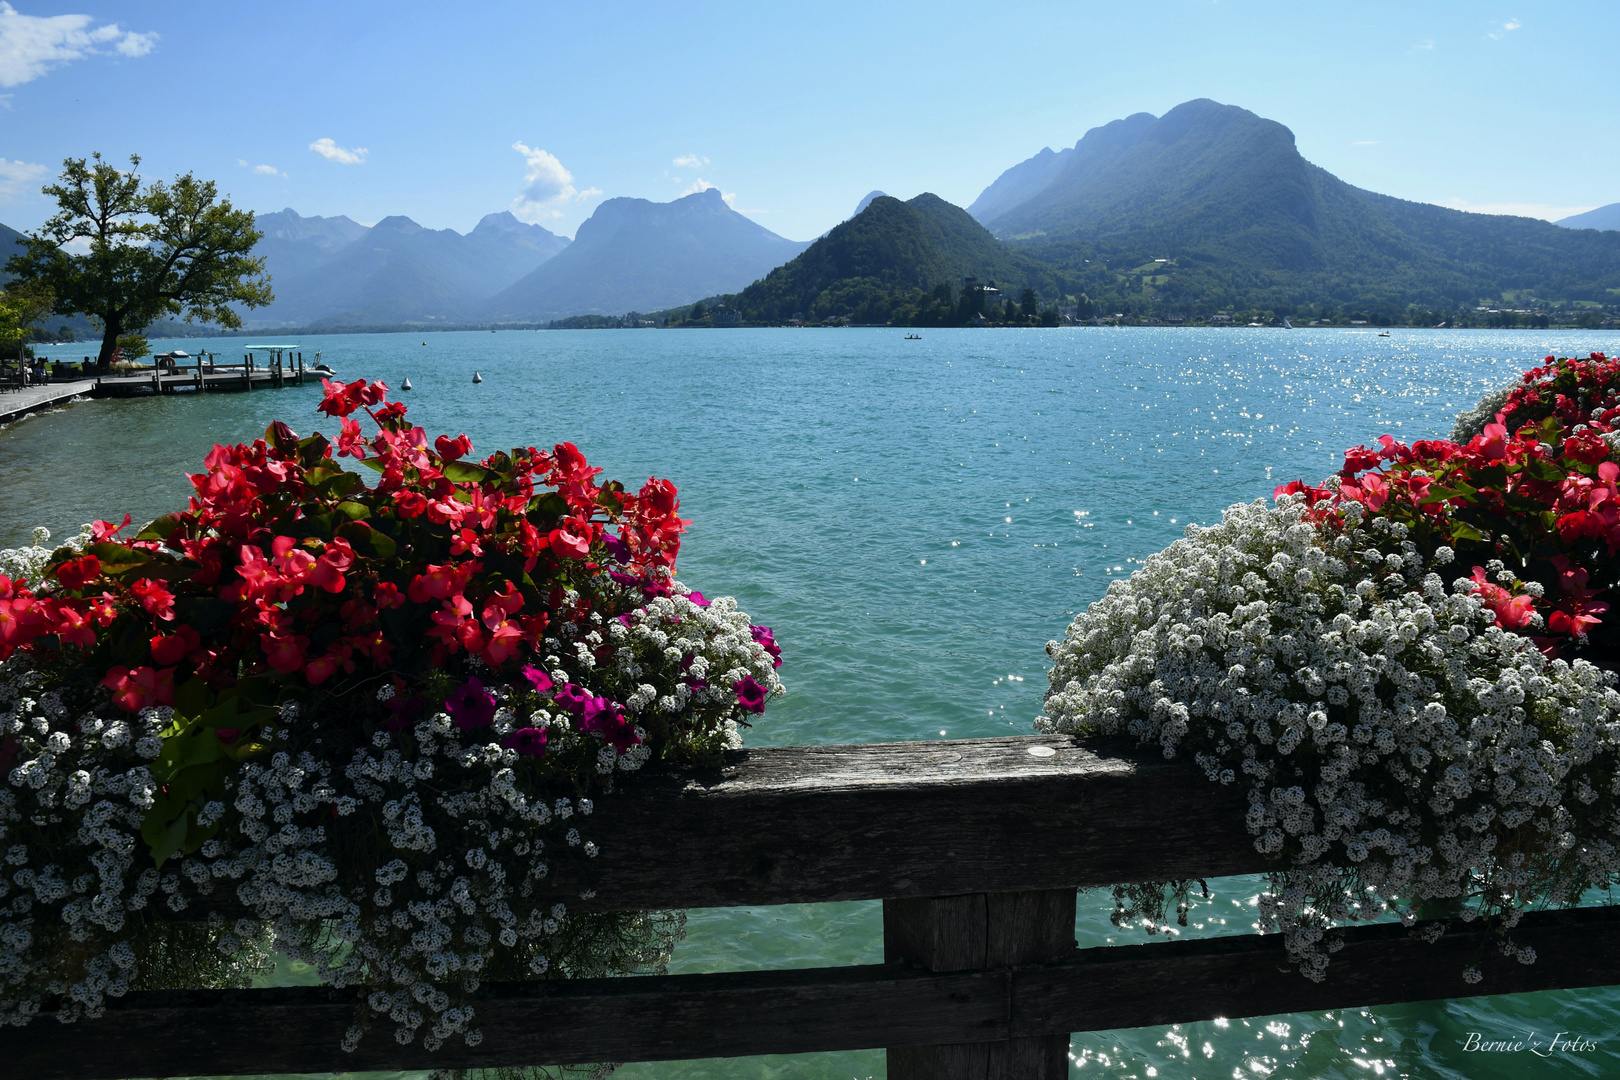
(1560, 1042)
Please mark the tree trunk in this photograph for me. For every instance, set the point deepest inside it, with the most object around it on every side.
(109, 342)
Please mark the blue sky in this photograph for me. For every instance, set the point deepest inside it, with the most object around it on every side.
(446, 113)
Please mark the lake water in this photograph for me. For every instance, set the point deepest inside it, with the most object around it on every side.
(915, 519)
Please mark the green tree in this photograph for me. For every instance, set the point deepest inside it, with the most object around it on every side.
(152, 250)
(1028, 305)
(22, 305)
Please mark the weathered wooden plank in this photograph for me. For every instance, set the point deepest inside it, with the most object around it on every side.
(896, 820)
(767, 1012)
(981, 930)
(1146, 985)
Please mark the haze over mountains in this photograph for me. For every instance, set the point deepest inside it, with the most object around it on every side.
(1604, 217)
(631, 255)
(635, 255)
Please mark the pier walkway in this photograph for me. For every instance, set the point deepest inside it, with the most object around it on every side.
(15, 405)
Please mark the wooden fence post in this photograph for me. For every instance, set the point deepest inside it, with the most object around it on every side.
(975, 932)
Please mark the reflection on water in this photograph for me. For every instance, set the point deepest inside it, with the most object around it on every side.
(915, 519)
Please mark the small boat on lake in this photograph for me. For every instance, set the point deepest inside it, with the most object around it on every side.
(1384, 333)
(913, 337)
(324, 369)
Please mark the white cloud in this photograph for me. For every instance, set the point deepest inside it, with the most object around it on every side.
(703, 185)
(1545, 211)
(548, 187)
(1424, 46)
(265, 170)
(690, 161)
(331, 151)
(17, 175)
(1507, 28)
(31, 45)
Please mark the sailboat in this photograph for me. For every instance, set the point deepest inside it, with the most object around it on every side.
(1286, 324)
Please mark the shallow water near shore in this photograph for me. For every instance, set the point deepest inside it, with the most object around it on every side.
(915, 519)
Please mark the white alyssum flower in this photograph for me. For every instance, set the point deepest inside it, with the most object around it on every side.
(1398, 748)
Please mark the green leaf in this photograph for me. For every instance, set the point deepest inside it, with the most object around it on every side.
(368, 541)
(1461, 530)
(373, 464)
(339, 484)
(116, 558)
(161, 528)
(463, 472)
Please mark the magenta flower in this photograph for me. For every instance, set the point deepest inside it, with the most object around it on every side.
(750, 694)
(604, 718)
(572, 698)
(528, 741)
(697, 598)
(767, 640)
(471, 706)
(616, 547)
(537, 678)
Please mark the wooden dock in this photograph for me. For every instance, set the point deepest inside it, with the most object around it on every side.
(251, 374)
(14, 405)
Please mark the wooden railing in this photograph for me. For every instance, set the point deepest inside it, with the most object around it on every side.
(975, 847)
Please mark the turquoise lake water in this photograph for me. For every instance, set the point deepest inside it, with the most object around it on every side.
(915, 519)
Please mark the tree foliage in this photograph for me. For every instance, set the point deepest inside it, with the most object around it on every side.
(126, 252)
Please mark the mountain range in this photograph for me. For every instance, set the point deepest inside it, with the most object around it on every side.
(631, 254)
(1604, 217)
(1205, 208)
(1212, 205)
(636, 255)
(335, 272)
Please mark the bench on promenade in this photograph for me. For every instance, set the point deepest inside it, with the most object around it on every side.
(976, 848)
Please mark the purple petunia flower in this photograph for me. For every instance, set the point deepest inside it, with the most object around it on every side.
(572, 698)
(767, 641)
(604, 718)
(528, 741)
(616, 547)
(697, 598)
(471, 706)
(750, 694)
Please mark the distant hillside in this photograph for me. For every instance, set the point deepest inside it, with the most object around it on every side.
(636, 255)
(1239, 218)
(886, 263)
(10, 244)
(864, 203)
(293, 245)
(332, 271)
(1604, 217)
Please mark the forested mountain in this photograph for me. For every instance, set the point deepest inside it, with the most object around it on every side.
(1604, 217)
(334, 272)
(1234, 216)
(894, 261)
(636, 255)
